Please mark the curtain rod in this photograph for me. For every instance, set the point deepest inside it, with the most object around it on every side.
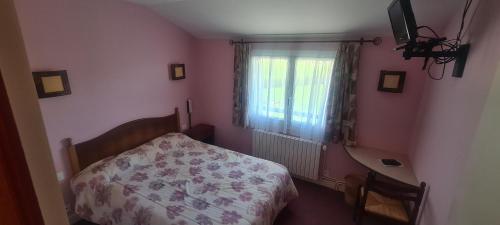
(374, 41)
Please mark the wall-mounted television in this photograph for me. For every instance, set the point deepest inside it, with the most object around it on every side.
(403, 21)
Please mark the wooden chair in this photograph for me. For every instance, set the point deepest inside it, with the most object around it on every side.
(396, 202)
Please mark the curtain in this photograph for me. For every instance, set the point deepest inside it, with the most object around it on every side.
(267, 93)
(240, 97)
(341, 121)
(288, 88)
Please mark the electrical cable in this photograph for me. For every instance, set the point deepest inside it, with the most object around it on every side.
(446, 45)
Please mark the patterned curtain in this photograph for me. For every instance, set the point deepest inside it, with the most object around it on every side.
(341, 116)
(240, 96)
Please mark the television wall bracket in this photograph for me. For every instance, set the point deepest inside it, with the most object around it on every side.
(425, 50)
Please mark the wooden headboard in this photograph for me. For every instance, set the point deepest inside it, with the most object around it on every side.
(119, 139)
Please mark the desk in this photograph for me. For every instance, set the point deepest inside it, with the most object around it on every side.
(370, 158)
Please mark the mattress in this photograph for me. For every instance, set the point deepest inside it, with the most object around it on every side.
(175, 180)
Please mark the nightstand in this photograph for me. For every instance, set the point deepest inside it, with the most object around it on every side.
(202, 132)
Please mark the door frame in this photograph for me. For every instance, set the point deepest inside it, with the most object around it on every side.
(18, 201)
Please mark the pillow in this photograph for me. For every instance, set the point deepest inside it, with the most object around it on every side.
(144, 155)
(147, 154)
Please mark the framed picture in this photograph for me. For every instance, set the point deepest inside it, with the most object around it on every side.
(177, 71)
(51, 83)
(391, 81)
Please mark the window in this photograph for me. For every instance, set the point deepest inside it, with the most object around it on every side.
(289, 94)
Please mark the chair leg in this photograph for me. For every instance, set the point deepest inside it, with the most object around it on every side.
(359, 215)
(355, 210)
(359, 219)
(361, 209)
(357, 205)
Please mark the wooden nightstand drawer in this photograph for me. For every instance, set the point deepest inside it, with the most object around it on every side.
(202, 132)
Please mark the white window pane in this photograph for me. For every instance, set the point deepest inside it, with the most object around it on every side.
(311, 85)
(268, 76)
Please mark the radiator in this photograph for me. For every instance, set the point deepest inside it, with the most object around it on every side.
(300, 156)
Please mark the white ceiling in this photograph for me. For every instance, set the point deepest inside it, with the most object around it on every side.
(236, 18)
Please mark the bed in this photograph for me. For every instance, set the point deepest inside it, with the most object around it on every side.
(146, 172)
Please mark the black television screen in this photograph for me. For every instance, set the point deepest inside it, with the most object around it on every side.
(403, 22)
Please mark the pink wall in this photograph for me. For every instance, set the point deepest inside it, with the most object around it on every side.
(449, 114)
(117, 57)
(385, 120)
(213, 94)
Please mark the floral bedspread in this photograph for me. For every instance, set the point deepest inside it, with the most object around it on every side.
(175, 180)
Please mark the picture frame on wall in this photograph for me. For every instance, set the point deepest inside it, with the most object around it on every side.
(51, 83)
(391, 81)
(177, 71)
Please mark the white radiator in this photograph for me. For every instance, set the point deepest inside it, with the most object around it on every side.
(300, 156)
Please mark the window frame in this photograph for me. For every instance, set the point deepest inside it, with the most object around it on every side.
(290, 82)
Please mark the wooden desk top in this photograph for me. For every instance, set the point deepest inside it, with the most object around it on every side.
(370, 158)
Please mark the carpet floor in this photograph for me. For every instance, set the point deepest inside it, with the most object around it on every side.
(316, 205)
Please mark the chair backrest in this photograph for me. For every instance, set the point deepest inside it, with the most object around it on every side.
(403, 192)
